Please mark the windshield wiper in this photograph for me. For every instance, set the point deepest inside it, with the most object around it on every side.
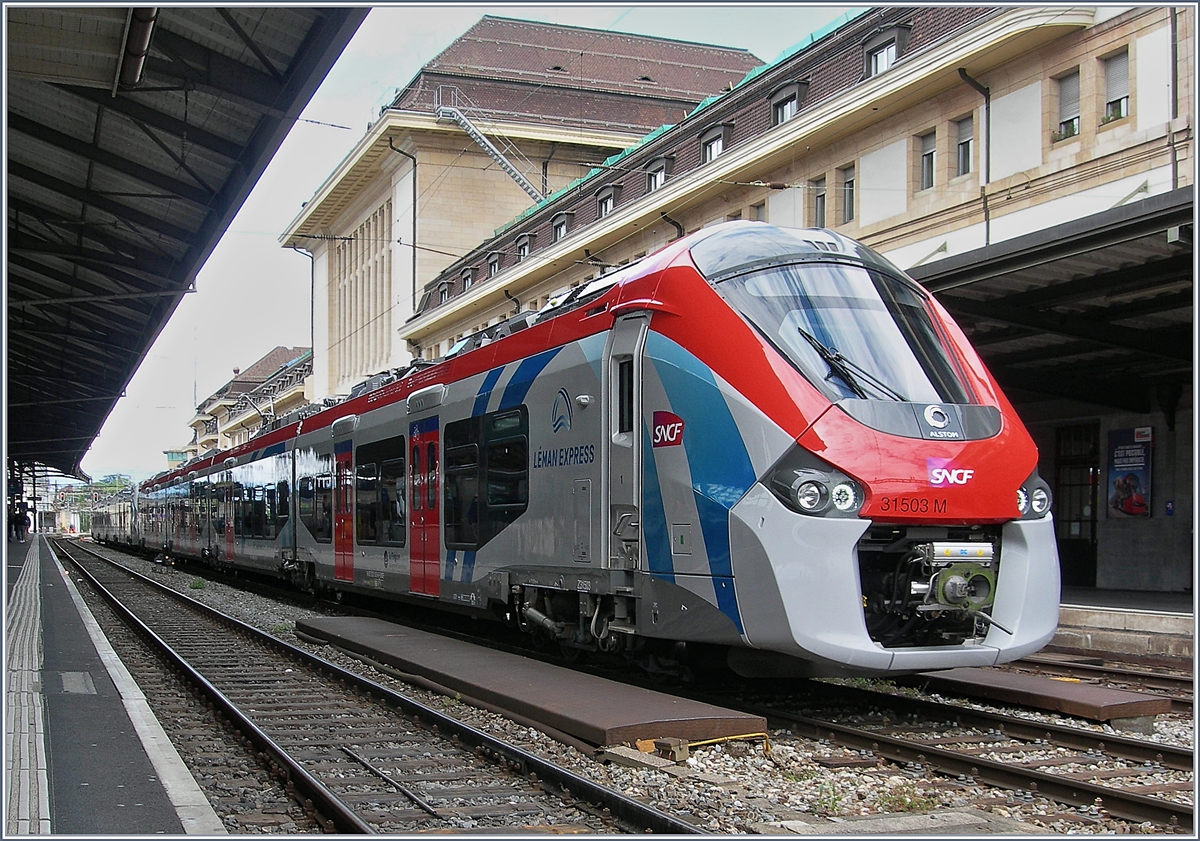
(845, 370)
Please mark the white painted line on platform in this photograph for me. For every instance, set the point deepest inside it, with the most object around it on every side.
(26, 781)
(194, 811)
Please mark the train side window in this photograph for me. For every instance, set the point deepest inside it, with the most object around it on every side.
(391, 502)
(415, 467)
(306, 501)
(508, 473)
(507, 469)
(431, 466)
(239, 513)
(382, 462)
(283, 505)
(487, 476)
(625, 396)
(460, 505)
(366, 502)
(268, 515)
(323, 504)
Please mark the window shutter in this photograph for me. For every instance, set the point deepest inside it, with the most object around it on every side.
(927, 143)
(1068, 97)
(966, 130)
(1116, 77)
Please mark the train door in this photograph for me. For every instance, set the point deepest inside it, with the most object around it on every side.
(229, 513)
(343, 512)
(424, 508)
(623, 441)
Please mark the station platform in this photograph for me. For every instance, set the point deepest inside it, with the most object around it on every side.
(86, 755)
(1152, 627)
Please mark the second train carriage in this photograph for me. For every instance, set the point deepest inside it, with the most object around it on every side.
(762, 439)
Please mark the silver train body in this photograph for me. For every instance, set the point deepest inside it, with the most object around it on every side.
(627, 472)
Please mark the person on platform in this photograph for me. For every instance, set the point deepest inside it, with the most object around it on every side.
(22, 527)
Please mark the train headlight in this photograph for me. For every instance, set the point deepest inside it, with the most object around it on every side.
(1034, 498)
(816, 492)
(846, 497)
(1040, 501)
(1023, 501)
(811, 497)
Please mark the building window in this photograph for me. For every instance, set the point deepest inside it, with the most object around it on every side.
(494, 264)
(783, 111)
(1068, 107)
(882, 58)
(713, 142)
(818, 193)
(468, 277)
(657, 172)
(524, 246)
(712, 148)
(847, 179)
(758, 212)
(966, 136)
(560, 225)
(443, 293)
(786, 101)
(606, 200)
(883, 49)
(1116, 87)
(928, 151)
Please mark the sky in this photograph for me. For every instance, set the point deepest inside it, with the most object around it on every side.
(253, 295)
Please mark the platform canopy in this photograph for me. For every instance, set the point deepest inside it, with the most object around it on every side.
(1096, 310)
(134, 136)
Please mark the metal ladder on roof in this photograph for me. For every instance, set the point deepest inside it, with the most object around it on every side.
(449, 112)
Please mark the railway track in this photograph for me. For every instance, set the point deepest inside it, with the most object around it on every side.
(359, 757)
(1091, 772)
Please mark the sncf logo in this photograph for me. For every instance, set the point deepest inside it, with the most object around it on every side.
(942, 473)
(668, 430)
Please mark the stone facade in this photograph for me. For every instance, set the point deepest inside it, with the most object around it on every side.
(871, 126)
(271, 388)
(417, 192)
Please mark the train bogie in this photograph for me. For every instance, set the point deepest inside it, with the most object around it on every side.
(759, 441)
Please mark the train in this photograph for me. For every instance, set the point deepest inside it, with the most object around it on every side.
(760, 446)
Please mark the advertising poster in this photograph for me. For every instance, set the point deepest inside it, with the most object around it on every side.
(1129, 460)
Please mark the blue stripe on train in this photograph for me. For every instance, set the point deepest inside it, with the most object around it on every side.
(485, 391)
(654, 517)
(523, 377)
(721, 469)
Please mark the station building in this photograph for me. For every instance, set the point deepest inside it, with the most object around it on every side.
(265, 393)
(510, 112)
(1031, 166)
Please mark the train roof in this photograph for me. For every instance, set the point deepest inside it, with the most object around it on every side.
(719, 252)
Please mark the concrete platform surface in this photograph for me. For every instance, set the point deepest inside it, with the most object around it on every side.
(598, 711)
(1095, 703)
(1140, 600)
(85, 753)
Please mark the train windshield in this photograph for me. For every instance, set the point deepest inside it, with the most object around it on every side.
(853, 330)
